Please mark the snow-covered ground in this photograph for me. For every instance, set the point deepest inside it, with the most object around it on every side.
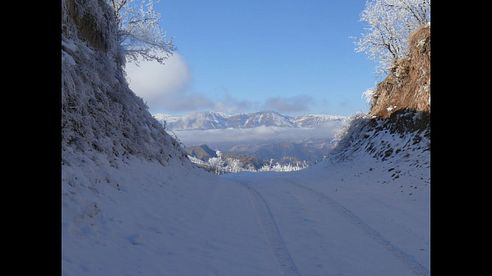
(133, 204)
(345, 218)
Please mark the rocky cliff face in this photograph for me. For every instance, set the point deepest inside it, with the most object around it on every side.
(408, 83)
(398, 125)
(100, 114)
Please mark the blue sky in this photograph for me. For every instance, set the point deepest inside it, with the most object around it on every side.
(293, 56)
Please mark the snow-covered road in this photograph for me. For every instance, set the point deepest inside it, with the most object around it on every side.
(272, 233)
(333, 219)
(310, 233)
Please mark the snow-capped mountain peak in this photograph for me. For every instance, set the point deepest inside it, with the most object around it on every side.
(216, 120)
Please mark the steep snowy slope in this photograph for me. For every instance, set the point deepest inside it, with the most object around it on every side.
(100, 114)
(110, 145)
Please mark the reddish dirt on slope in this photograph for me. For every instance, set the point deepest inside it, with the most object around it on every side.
(408, 83)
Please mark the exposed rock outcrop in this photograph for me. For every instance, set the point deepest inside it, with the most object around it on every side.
(407, 87)
(398, 124)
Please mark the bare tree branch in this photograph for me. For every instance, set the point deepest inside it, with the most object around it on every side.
(140, 34)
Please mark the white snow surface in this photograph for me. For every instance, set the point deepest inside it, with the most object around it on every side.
(336, 218)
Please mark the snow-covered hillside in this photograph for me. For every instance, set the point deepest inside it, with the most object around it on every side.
(100, 114)
(217, 120)
(107, 132)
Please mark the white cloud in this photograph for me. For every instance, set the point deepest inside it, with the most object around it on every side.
(289, 104)
(230, 105)
(253, 135)
(166, 88)
(152, 80)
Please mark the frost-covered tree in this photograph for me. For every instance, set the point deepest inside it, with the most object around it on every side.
(234, 165)
(270, 167)
(216, 164)
(140, 34)
(390, 24)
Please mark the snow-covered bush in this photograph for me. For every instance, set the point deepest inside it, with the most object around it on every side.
(390, 24)
(277, 167)
(216, 164)
(221, 165)
(139, 32)
(234, 165)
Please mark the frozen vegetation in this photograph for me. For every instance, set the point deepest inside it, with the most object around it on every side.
(222, 164)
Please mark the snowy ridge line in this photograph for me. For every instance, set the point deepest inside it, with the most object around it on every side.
(217, 120)
(407, 259)
(272, 232)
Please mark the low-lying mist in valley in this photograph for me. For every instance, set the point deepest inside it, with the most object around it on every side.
(276, 145)
(224, 139)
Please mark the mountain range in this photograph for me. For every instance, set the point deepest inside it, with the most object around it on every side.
(264, 136)
(217, 120)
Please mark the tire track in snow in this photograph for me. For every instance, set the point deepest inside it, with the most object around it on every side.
(407, 259)
(272, 232)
